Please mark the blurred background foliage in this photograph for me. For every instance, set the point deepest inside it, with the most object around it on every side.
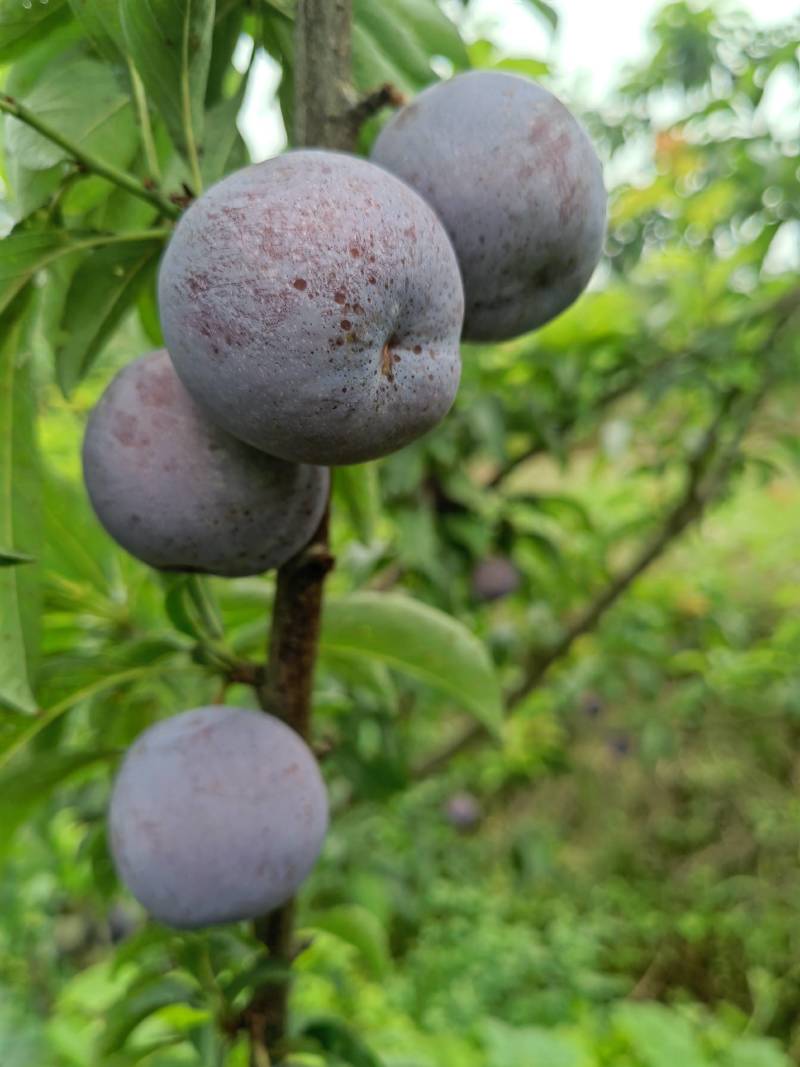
(610, 877)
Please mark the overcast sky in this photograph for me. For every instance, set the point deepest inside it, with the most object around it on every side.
(595, 39)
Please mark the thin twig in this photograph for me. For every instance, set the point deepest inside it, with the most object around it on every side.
(96, 166)
(387, 95)
(145, 126)
(186, 106)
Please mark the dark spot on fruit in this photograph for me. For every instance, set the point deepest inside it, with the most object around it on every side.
(346, 324)
(417, 349)
(340, 296)
(124, 428)
(300, 283)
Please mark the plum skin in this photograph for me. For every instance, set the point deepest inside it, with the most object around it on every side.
(179, 493)
(518, 185)
(312, 304)
(217, 815)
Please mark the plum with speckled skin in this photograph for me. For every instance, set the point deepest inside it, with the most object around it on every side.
(181, 494)
(518, 186)
(216, 815)
(313, 305)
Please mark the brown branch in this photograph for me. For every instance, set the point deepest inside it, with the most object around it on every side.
(323, 92)
(322, 83)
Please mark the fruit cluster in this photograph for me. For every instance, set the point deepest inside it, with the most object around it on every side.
(312, 308)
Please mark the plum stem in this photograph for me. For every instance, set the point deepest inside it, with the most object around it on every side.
(88, 161)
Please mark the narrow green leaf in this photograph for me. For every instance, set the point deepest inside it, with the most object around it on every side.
(19, 514)
(358, 491)
(336, 1038)
(76, 549)
(102, 289)
(227, 30)
(509, 1046)
(15, 740)
(221, 136)
(83, 100)
(407, 34)
(24, 27)
(147, 306)
(137, 1005)
(31, 189)
(261, 973)
(169, 42)
(360, 928)
(548, 13)
(22, 255)
(417, 640)
(25, 785)
(101, 23)
(11, 558)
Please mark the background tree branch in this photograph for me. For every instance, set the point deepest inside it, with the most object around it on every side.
(707, 471)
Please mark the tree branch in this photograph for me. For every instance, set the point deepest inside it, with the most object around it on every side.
(323, 92)
(387, 95)
(707, 473)
(322, 98)
(782, 309)
(91, 163)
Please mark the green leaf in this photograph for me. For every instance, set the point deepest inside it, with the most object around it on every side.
(169, 42)
(101, 22)
(227, 30)
(147, 306)
(659, 1036)
(31, 189)
(357, 490)
(19, 514)
(102, 289)
(24, 785)
(395, 41)
(756, 1052)
(10, 558)
(14, 740)
(76, 549)
(337, 1038)
(548, 13)
(22, 255)
(221, 136)
(360, 928)
(262, 972)
(81, 99)
(508, 1046)
(140, 1002)
(417, 640)
(24, 27)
